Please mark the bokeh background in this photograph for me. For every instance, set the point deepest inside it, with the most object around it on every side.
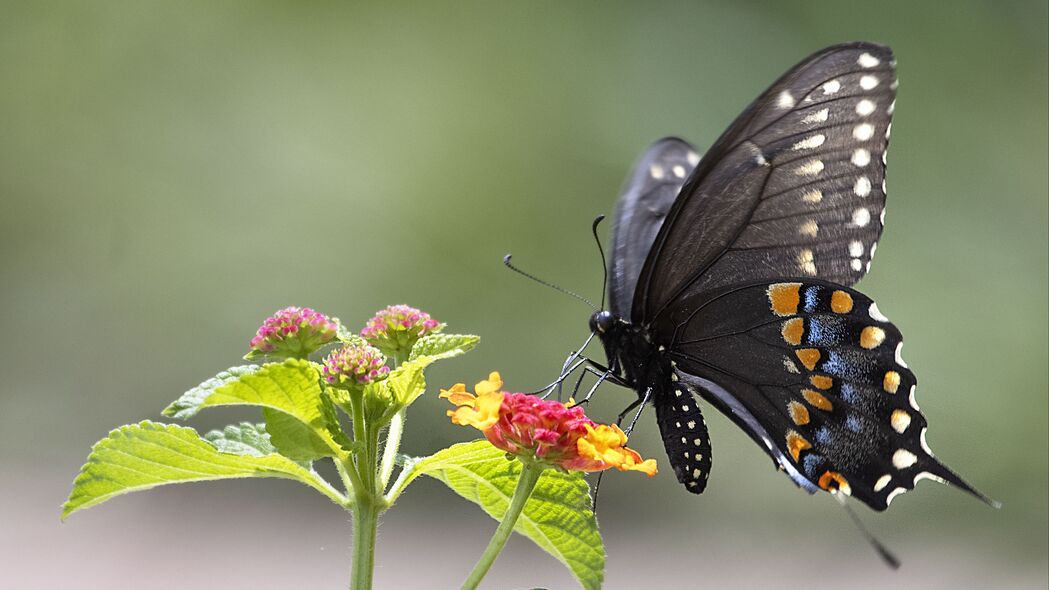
(171, 173)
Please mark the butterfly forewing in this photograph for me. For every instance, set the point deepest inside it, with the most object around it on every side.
(795, 187)
(814, 369)
(649, 192)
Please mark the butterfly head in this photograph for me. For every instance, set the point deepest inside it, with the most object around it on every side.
(601, 322)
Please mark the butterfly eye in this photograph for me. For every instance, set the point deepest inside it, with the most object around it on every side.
(601, 322)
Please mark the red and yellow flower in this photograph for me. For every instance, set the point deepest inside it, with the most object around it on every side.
(546, 430)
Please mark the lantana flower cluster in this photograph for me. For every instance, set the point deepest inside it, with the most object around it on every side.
(397, 328)
(355, 365)
(543, 430)
(294, 332)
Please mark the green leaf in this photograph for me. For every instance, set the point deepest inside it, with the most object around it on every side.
(292, 387)
(407, 381)
(191, 401)
(145, 455)
(242, 439)
(558, 516)
(443, 346)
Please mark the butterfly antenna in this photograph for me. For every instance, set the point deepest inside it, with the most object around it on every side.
(604, 263)
(883, 552)
(506, 261)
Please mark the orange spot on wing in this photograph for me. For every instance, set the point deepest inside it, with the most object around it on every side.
(808, 357)
(798, 413)
(841, 302)
(793, 330)
(821, 381)
(871, 337)
(832, 481)
(891, 382)
(817, 400)
(796, 444)
(784, 298)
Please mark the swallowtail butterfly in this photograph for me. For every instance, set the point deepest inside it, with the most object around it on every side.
(730, 280)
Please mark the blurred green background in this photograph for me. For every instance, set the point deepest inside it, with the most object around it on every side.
(172, 173)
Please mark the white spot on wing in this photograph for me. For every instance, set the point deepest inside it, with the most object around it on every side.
(809, 143)
(693, 158)
(868, 82)
(867, 60)
(925, 444)
(876, 313)
(861, 217)
(902, 459)
(892, 495)
(657, 171)
(831, 87)
(861, 158)
(882, 482)
(813, 196)
(855, 248)
(856, 264)
(864, 107)
(927, 475)
(785, 100)
(863, 131)
(900, 420)
(809, 228)
(816, 117)
(679, 171)
(810, 168)
(862, 188)
(790, 366)
(910, 398)
(806, 262)
(899, 358)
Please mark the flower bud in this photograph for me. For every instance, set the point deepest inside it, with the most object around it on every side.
(354, 365)
(397, 328)
(293, 332)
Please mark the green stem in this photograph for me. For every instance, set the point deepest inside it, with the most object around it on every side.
(365, 523)
(525, 484)
(393, 444)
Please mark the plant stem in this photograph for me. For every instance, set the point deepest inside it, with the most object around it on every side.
(530, 473)
(389, 453)
(365, 523)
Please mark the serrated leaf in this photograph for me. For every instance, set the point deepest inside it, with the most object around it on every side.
(407, 381)
(242, 439)
(557, 517)
(443, 346)
(295, 440)
(292, 387)
(191, 401)
(148, 454)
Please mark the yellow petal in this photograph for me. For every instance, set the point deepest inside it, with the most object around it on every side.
(493, 383)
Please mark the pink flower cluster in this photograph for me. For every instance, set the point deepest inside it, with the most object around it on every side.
(398, 327)
(355, 365)
(294, 331)
(546, 428)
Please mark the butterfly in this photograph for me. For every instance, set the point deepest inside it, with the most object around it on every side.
(730, 280)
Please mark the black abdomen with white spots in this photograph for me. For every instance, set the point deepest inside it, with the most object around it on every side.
(684, 434)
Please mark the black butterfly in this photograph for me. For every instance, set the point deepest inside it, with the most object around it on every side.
(729, 279)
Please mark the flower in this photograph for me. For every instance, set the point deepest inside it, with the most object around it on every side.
(546, 430)
(397, 328)
(293, 332)
(354, 365)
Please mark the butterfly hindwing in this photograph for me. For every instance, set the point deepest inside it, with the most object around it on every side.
(793, 188)
(813, 370)
(649, 192)
(684, 434)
